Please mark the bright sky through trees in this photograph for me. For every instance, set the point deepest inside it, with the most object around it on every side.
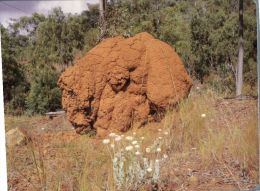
(16, 9)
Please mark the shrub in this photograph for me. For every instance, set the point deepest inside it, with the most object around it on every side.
(44, 94)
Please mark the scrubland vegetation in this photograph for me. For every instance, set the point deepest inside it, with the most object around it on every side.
(37, 48)
(206, 142)
(211, 143)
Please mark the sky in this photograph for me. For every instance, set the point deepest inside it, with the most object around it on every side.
(16, 9)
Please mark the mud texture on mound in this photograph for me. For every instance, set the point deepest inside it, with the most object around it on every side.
(121, 82)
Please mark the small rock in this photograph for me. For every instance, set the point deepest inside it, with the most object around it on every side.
(194, 181)
(15, 137)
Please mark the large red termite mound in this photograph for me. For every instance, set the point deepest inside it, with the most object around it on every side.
(122, 81)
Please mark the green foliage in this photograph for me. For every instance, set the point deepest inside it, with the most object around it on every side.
(36, 49)
(57, 39)
(175, 29)
(14, 84)
(44, 94)
(215, 40)
(204, 33)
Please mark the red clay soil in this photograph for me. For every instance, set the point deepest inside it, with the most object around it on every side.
(122, 81)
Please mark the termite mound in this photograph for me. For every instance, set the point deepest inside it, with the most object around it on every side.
(122, 81)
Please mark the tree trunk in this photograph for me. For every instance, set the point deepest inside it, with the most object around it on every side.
(239, 72)
(102, 8)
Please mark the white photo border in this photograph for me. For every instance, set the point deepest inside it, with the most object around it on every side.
(3, 166)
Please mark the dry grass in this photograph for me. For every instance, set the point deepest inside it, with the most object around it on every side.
(217, 134)
(224, 139)
(20, 121)
(226, 136)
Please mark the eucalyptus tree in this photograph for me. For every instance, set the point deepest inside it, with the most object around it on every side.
(102, 18)
(14, 82)
(239, 71)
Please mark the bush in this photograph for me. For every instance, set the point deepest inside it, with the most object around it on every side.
(44, 94)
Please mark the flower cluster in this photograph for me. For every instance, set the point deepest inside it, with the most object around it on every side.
(132, 162)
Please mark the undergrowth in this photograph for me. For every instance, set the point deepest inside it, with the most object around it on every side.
(199, 125)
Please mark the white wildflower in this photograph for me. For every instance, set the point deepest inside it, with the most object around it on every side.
(134, 142)
(129, 148)
(156, 160)
(160, 138)
(149, 169)
(142, 138)
(166, 133)
(118, 138)
(165, 156)
(112, 145)
(158, 150)
(112, 135)
(159, 130)
(148, 150)
(203, 115)
(146, 165)
(134, 133)
(106, 141)
(137, 146)
(137, 153)
(129, 138)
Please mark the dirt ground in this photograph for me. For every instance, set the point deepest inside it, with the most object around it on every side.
(53, 159)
